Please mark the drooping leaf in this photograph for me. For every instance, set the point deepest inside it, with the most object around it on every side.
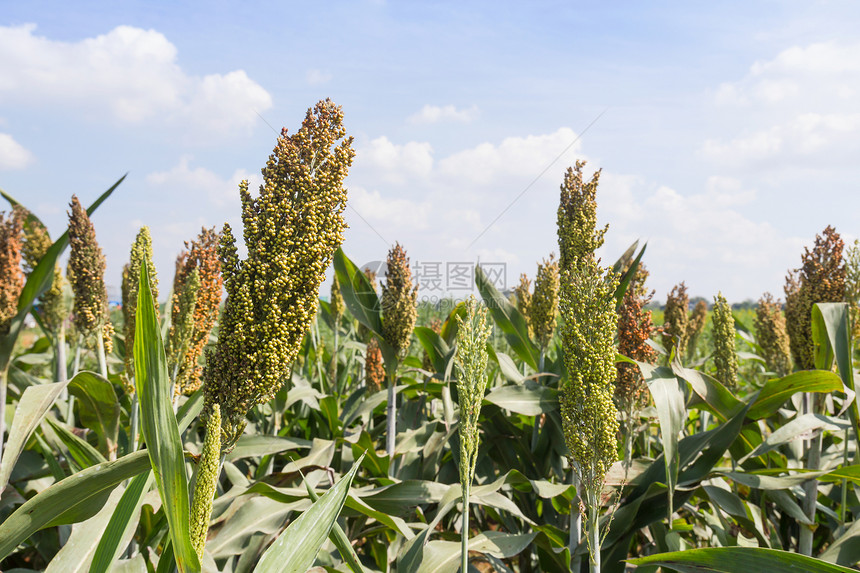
(738, 560)
(99, 407)
(508, 319)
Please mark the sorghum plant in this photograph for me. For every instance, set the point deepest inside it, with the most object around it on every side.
(589, 417)
(141, 250)
(821, 278)
(725, 357)
(471, 361)
(86, 272)
(544, 303)
(772, 336)
(197, 287)
(11, 283)
(398, 319)
(695, 326)
(852, 286)
(522, 299)
(374, 369)
(675, 318)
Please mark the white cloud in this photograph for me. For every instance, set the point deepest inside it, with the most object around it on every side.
(132, 73)
(13, 155)
(395, 163)
(435, 114)
(185, 180)
(318, 77)
(396, 213)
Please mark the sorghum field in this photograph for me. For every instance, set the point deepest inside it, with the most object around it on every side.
(553, 428)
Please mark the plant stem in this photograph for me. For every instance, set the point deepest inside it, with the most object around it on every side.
(813, 460)
(100, 342)
(575, 533)
(464, 532)
(594, 535)
(4, 383)
(536, 427)
(391, 410)
(134, 424)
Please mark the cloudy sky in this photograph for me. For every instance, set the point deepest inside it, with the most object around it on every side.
(728, 133)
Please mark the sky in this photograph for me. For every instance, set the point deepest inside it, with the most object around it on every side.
(728, 134)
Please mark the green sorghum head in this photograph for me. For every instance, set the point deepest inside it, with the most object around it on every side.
(821, 278)
(543, 307)
(522, 299)
(398, 301)
(589, 416)
(336, 301)
(675, 317)
(577, 217)
(52, 307)
(471, 361)
(36, 242)
(11, 275)
(725, 357)
(852, 285)
(198, 271)
(141, 250)
(208, 469)
(696, 325)
(291, 231)
(86, 273)
(772, 336)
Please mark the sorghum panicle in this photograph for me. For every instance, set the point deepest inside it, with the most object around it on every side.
(634, 331)
(11, 275)
(696, 325)
(852, 285)
(291, 231)
(198, 279)
(141, 250)
(398, 301)
(336, 301)
(821, 278)
(577, 217)
(772, 336)
(471, 361)
(52, 306)
(208, 469)
(543, 307)
(522, 299)
(374, 367)
(675, 317)
(36, 242)
(86, 273)
(725, 357)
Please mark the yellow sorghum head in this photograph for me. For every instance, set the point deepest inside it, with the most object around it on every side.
(772, 336)
(544, 302)
(634, 331)
(577, 217)
(522, 299)
(141, 250)
(674, 330)
(589, 321)
(291, 231)
(86, 272)
(336, 302)
(821, 278)
(471, 361)
(198, 271)
(374, 368)
(589, 416)
(11, 275)
(725, 357)
(36, 242)
(398, 301)
(696, 325)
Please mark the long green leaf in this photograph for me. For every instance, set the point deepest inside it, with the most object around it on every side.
(776, 392)
(32, 406)
(339, 538)
(738, 560)
(508, 319)
(68, 495)
(99, 407)
(296, 548)
(159, 427)
(358, 294)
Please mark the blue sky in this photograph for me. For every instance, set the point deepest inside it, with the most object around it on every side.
(728, 133)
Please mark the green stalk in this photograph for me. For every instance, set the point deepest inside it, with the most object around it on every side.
(464, 532)
(575, 533)
(813, 460)
(391, 411)
(100, 342)
(4, 383)
(594, 535)
(844, 481)
(536, 427)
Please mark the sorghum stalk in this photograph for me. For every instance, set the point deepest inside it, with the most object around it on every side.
(471, 363)
(587, 305)
(337, 307)
(725, 357)
(11, 283)
(398, 319)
